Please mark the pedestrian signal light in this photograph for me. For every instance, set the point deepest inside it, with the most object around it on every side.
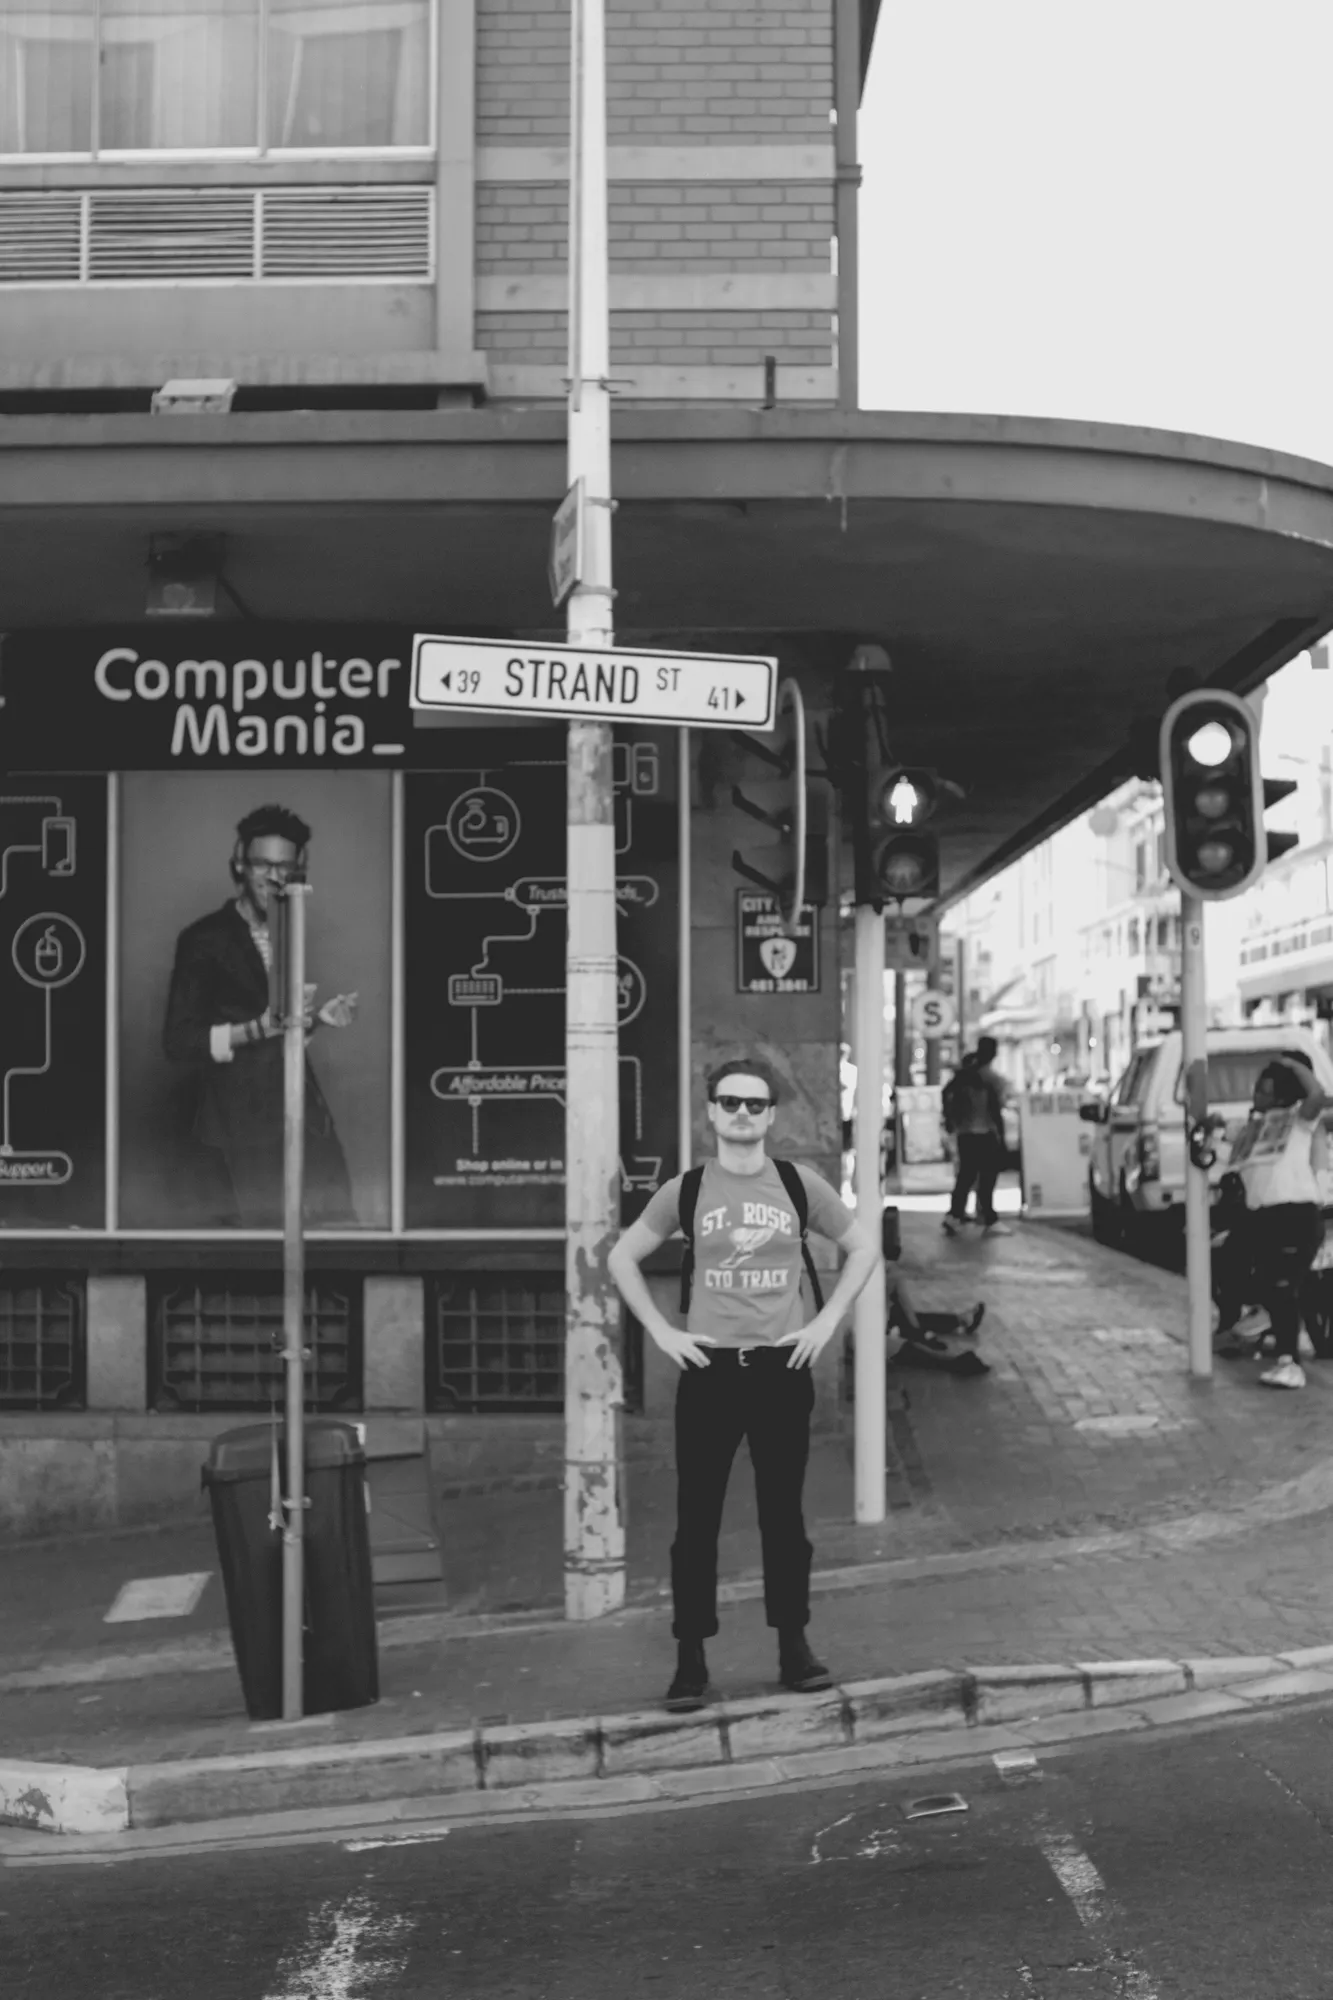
(904, 798)
(908, 864)
(1209, 748)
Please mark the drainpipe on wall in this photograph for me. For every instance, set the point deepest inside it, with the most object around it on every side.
(846, 104)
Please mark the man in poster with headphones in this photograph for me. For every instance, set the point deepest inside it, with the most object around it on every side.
(218, 1022)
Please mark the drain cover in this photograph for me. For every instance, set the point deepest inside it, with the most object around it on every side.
(935, 1803)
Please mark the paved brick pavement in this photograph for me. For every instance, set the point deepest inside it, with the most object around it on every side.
(1015, 1533)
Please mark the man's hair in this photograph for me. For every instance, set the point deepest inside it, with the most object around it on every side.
(1287, 1086)
(744, 1066)
(274, 821)
(987, 1049)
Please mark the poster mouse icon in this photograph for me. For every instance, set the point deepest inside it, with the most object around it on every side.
(49, 950)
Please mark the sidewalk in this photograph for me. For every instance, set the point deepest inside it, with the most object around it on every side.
(1082, 1502)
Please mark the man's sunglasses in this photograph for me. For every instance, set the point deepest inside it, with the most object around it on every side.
(754, 1105)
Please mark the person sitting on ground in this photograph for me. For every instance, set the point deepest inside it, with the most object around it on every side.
(927, 1329)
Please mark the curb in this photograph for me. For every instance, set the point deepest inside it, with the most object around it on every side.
(64, 1798)
(649, 1754)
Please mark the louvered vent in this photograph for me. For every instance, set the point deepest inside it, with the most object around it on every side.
(382, 232)
(181, 233)
(173, 235)
(39, 238)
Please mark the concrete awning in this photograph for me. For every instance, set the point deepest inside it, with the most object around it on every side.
(1035, 582)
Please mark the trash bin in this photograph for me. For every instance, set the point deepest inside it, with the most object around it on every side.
(341, 1663)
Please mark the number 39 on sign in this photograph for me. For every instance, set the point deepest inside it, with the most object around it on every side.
(933, 1015)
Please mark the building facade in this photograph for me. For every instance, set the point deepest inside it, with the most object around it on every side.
(345, 219)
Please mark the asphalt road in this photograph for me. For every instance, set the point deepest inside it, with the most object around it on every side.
(1170, 1868)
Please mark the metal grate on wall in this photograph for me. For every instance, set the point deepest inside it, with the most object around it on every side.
(43, 1348)
(287, 235)
(498, 1343)
(217, 1345)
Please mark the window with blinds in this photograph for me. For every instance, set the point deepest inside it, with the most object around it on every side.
(97, 78)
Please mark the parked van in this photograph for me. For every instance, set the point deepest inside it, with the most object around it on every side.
(1136, 1171)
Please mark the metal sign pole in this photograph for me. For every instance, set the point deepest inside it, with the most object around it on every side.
(869, 1310)
(594, 1524)
(291, 944)
(1194, 1035)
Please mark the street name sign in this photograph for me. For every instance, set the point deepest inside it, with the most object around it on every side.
(565, 563)
(611, 684)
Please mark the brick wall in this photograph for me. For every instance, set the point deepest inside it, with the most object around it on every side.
(672, 70)
(693, 79)
(672, 340)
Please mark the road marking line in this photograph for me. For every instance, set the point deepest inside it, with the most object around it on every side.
(329, 1965)
(1096, 1909)
(396, 1840)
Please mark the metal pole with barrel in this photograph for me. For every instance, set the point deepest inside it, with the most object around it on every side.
(287, 987)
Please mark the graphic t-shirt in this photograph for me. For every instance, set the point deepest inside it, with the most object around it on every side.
(747, 1250)
(1279, 1157)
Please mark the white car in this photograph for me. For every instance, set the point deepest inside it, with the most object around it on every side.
(1136, 1172)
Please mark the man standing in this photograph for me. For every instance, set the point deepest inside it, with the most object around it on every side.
(973, 1106)
(745, 1360)
(218, 1022)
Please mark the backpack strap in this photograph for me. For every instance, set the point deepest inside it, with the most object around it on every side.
(790, 1176)
(690, 1183)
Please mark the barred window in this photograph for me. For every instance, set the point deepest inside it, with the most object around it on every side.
(217, 1345)
(43, 1349)
(498, 1343)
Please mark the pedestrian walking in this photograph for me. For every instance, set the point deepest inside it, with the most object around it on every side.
(745, 1357)
(1279, 1156)
(973, 1109)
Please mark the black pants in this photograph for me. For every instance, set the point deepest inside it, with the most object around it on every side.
(1233, 1270)
(1283, 1241)
(768, 1403)
(980, 1158)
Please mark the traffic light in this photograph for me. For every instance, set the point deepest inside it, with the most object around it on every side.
(797, 811)
(1215, 796)
(901, 860)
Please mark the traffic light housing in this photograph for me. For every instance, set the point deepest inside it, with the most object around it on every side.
(896, 858)
(1215, 795)
(798, 815)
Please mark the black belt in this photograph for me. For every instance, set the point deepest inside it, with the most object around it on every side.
(742, 1357)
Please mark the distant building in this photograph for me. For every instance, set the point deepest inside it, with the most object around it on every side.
(1072, 955)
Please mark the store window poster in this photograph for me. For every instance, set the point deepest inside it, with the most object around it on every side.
(203, 856)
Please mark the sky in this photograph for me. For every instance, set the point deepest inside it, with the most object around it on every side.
(1122, 213)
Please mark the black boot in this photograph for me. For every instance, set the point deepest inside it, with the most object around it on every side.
(798, 1669)
(690, 1687)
